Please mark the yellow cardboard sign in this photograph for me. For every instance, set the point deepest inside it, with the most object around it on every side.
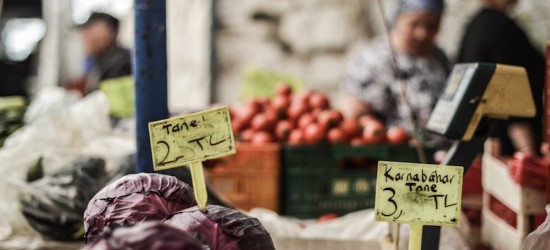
(120, 95)
(418, 193)
(194, 137)
(262, 82)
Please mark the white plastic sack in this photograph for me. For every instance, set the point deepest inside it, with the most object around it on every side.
(48, 101)
(356, 226)
(540, 238)
(59, 128)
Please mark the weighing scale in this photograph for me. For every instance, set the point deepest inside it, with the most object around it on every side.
(472, 92)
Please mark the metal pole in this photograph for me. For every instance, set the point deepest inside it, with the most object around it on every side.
(150, 74)
(462, 153)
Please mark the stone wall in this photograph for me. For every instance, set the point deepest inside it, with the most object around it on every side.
(188, 49)
(310, 39)
(315, 39)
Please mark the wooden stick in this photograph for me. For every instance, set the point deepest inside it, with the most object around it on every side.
(199, 184)
(415, 237)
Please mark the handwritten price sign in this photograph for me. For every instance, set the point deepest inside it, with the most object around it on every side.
(195, 137)
(418, 193)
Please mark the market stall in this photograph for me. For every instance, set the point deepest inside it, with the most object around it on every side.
(283, 169)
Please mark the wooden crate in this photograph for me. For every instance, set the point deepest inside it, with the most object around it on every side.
(525, 202)
(249, 178)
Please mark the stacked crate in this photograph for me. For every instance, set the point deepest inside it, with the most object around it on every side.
(249, 178)
(336, 179)
(304, 181)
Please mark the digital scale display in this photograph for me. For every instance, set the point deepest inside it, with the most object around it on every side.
(453, 82)
(459, 99)
(477, 90)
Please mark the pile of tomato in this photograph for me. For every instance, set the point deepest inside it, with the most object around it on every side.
(306, 118)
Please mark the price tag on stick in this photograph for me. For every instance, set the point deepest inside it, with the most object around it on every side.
(418, 194)
(189, 140)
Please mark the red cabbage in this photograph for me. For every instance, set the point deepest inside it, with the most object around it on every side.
(151, 235)
(222, 228)
(135, 198)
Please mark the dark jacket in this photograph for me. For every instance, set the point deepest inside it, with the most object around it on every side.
(114, 63)
(493, 37)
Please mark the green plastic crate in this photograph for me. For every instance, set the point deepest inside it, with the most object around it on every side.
(319, 180)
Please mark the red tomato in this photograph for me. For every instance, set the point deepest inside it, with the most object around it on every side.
(261, 137)
(296, 137)
(397, 135)
(351, 127)
(283, 129)
(281, 104)
(283, 89)
(314, 133)
(305, 120)
(265, 103)
(327, 217)
(365, 119)
(374, 132)
(271, 116)
(337, 115)
(315, 113)
(261, 122)
(296, 110)
(237, 125)
(247, 112)
(357, 141)
(246, 135)
(318, 101)
(254, 103)
(303, 97)
(336, 136)
(329, 118)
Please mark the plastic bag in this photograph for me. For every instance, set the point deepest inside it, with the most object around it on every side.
(48, 101)
(54, 204)
(57, 135)
(540, 238)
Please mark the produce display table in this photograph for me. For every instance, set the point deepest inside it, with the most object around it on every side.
(323, 244)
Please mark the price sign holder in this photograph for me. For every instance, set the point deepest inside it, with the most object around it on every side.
(418, 194)
(189, 140)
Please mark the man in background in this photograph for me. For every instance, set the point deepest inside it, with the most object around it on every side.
(105, 58)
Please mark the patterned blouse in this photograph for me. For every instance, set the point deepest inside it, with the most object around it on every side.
(372, 77)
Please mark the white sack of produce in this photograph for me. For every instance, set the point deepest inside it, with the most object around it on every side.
(354, 227)
(48, 101)
(59, 128)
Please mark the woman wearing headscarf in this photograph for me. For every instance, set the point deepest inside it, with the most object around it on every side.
(401, 92)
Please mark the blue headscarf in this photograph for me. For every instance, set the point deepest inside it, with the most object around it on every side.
(435, 6)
